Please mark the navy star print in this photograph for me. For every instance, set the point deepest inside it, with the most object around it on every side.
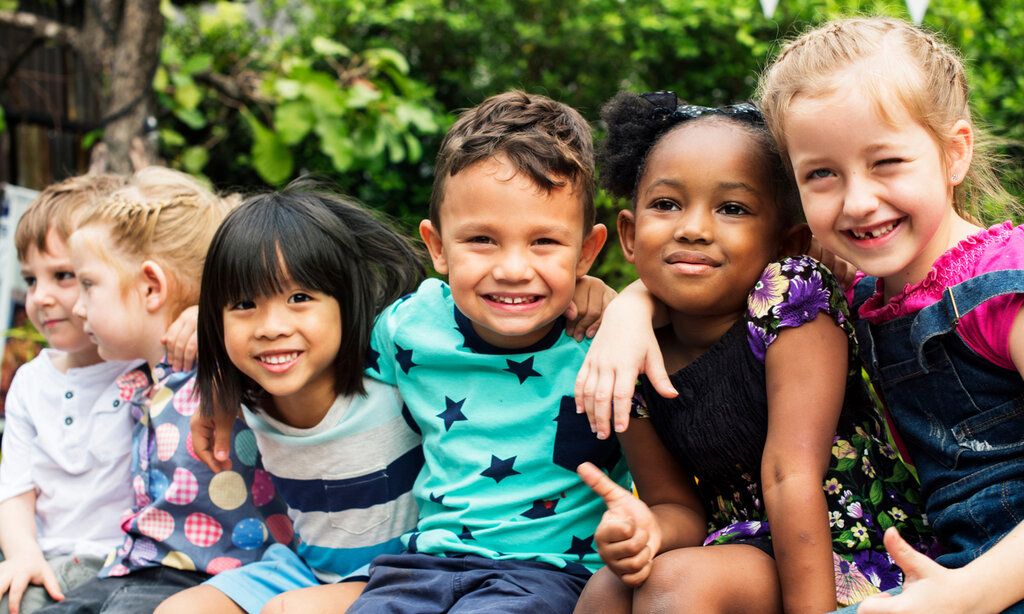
(438, 499)
(542, 508)
(581, 547)
(452, 413)
(371, 359)
(523, 370)
(500, 468)
(404, 358)
(466, 534)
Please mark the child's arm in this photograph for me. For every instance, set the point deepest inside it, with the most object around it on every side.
(24, 562)
(624, 347)
(583, 315)
(805, 372)
(670, 515)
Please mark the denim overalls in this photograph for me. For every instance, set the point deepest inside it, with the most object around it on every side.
(961, 417)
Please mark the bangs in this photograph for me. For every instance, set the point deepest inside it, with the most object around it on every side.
(268, 243)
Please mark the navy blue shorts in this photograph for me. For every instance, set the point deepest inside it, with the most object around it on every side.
(423, 583)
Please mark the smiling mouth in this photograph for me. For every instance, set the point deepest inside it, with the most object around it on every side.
(512, 300)
(276, 360)
(874, 233)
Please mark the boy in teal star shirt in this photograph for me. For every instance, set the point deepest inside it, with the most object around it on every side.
(487, 372)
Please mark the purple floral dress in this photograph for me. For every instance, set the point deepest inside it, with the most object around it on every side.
(716, 429)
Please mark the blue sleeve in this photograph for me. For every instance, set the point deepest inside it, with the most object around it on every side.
(380, 360)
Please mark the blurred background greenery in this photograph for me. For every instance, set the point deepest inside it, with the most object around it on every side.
(252, 94)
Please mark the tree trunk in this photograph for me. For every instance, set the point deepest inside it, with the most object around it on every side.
(124, 38)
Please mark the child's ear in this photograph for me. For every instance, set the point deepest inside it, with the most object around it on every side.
(959, 152)
(591, 247)
(796, 241)
(432, 239)
(154, 282)
(626, 224)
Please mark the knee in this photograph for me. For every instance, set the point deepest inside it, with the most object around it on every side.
(675, 585)
(277, 605)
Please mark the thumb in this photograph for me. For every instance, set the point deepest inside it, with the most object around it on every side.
(605, 487)
(914, 564)
(658, 376)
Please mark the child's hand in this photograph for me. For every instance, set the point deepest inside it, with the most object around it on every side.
(628, 537)
(928, 586)
(211, 439)
(843, 270)
(18, 572)
(181, 340)
(622, 349)
(583, 316)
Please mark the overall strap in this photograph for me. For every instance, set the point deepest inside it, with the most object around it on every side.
(862, 291)
(959, 300)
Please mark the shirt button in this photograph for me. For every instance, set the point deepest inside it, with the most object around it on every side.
(68, 394)
(117, 402)
(69, 419)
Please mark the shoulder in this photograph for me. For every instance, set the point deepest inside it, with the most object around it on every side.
(38, 370)
(792, 292)
(432, 296)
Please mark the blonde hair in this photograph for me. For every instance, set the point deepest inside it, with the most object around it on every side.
(165, 216)
(57, 207)
(896, 62)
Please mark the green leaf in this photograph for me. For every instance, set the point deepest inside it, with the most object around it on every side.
(899, 473)
(171, 138)
(191, 118)
(188, 96)
(369, 141)
(414, 147)
(326, 46)
(396, 152)
(419, 116)
(200, 62)
(270, 156)
(3, 121)
(845, 464)
(293, 120)
(160, 79)
(884, 520)
(336, 144)
(90, 138)
(194, 159)
(226, 16)
(360, 95)
(325, 95)
(289, 89)
(875, 496)
(381, 56)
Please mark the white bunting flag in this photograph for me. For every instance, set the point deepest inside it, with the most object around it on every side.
(917, 9)
(768, 6)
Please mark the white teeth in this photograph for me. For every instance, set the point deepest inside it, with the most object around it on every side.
(874, 234)
(512, 300)
(278, 359)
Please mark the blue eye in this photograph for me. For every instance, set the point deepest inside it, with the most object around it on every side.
(819, 173)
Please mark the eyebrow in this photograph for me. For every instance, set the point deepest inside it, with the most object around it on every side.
(722, 185)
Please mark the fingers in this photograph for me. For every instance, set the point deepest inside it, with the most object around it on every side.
(225, 424)
(51, 584)
(205, 434)
(18, 586)
(658, 376)
(181, 340)
(622, 403)
(571, 314)
(602, 485)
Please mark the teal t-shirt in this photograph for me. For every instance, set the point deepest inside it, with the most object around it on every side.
(501, 436)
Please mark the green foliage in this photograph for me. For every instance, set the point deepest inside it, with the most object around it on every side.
(361, 90)
(3, 122)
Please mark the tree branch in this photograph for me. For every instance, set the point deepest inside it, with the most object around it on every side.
(43, 27)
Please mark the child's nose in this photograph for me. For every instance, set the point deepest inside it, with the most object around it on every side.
(694, 226)
(78, 309)
(860, 199)
(274, 323)
(513, 265)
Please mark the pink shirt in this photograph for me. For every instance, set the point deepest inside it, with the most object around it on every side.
(986, 330)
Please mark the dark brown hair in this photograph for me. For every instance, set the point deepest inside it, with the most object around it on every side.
(547, 141)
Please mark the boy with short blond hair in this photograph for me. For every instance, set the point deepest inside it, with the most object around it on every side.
(64, 479)
(487, 372)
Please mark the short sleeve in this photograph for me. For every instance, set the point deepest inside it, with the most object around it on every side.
(19, 432)
(380, 359)
(790, 293)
